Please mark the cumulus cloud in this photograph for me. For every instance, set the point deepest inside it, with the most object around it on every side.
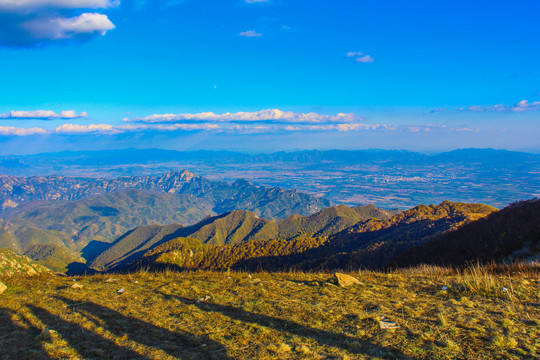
(267, 116)
(60, 28)
(26, 23)
(42, 115)
(250, 33)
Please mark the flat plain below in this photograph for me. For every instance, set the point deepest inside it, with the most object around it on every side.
(438, 314)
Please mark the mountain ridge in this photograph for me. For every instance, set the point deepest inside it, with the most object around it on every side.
(243, 226)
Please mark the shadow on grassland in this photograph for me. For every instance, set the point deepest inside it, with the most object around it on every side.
(87, 344)
(18, 341)
(323, 337)
(181, 345)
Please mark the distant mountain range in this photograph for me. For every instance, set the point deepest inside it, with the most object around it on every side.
(386, 178)
(222, 196)
(48, 163)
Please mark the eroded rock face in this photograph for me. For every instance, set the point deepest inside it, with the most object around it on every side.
(12, 264)
(345, 280)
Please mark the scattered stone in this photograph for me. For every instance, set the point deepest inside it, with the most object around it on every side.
(77, 286)
(110, 280)
(345, 280)
(302, 349)
(256, 281)
(206, 298)
(329, 284)
(385, 324)
(121, 291)
(47, 334)
(2, 287)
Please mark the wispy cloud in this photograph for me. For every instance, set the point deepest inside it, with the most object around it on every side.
(276, 129)
(31, 5)
(18, 131)
(267, 116)
(36, 22)
(520, 106)
(354, 53)
(117, 129)
(250, 33)
(365, 59)
(360, 57)
(42, 115)
(83, 129)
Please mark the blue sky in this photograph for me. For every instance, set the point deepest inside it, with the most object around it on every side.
(418, 75)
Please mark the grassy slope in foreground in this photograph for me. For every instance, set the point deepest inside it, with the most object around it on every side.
(273, 316)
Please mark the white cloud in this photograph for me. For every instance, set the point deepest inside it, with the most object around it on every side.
(360, 57)
(43, 115)
(17, 131)
(524, 105)
(27, 23)
(60, 28)
(250, 33)
(365, 59)
(269, 116)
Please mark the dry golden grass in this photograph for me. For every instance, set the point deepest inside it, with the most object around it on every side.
(441, 313)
